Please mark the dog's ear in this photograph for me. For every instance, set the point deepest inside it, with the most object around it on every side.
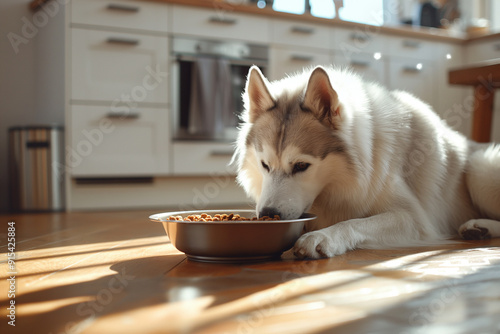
(260, 100)
(320, 97)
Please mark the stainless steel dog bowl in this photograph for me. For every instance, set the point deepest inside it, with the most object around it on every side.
(231, 241)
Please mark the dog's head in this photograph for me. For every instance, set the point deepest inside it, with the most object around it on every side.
(290, 146)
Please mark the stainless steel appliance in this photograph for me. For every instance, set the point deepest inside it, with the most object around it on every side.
(208, 78)
(36, 168)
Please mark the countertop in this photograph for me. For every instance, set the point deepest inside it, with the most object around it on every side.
(399, 30)
(116, 272)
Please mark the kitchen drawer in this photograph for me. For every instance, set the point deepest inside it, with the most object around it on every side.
(404, 74)
(202, 158)
(299, 34)
(121, 14)
(412, 48)
(118, 67)
(351, 42)
(480, 51)
(219, 24)
(365, 65)
(287, 60)
(107, 143)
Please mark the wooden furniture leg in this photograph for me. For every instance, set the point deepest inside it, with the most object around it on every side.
(483, 113)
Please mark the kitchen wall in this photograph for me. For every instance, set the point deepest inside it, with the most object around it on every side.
(30, 49)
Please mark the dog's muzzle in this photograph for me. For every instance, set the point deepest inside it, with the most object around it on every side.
(270, 212)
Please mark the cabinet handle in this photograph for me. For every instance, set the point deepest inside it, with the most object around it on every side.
(411, 69)
(123, 41)
(303, 30)
(298, 57)
(360, 37)
(221, 153)
(357, 63)
(411, 44)
(37, 144)
(223, 20)
(123, 8)
(496, 47)
(123, 115)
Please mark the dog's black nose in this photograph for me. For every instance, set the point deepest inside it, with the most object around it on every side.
(270, 212)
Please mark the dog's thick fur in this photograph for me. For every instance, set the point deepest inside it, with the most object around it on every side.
(379, 168)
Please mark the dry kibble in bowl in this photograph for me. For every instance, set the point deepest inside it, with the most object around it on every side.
(220, 217)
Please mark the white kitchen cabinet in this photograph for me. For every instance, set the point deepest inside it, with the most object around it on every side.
(350, 43)
(202, 158)
(482, 50)
(126, 143)
(122, 14)
(365, 65)
(219, 24)
(118, 67)
(414, 76)
(300, 34)
(289, 60)
(412, 48)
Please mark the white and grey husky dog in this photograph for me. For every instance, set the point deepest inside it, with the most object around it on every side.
(379, 168)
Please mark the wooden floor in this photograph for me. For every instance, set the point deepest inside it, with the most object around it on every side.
(116, 272)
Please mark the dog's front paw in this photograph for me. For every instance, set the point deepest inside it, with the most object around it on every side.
(318, 244)
(472, 230)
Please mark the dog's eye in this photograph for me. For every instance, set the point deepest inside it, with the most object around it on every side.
(300, 167)
(266, 167)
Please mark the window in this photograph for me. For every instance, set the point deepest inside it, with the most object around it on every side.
(361, 11)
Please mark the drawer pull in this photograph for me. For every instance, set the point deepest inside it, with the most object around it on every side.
(123, 41)
(37, 144)
(221, 153)
(297, 57)
(123, 8)
(223, 20)
(411, 44)
(357, 63)
(360, 37)
(497, 47)
(113, 180)
(303, 30)
(123, 115)
(411, 69)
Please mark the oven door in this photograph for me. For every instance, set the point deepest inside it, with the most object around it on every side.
(207, 85)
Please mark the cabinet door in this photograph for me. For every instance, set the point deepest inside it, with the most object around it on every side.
(137, 15)
(366, 65)
(477, 51)
(300, 34)
(416, 77)
(352, 42)
(219, 23)
(202, 158)
(112, 66)
(107, 143)
(288, 60)
(412, 48)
